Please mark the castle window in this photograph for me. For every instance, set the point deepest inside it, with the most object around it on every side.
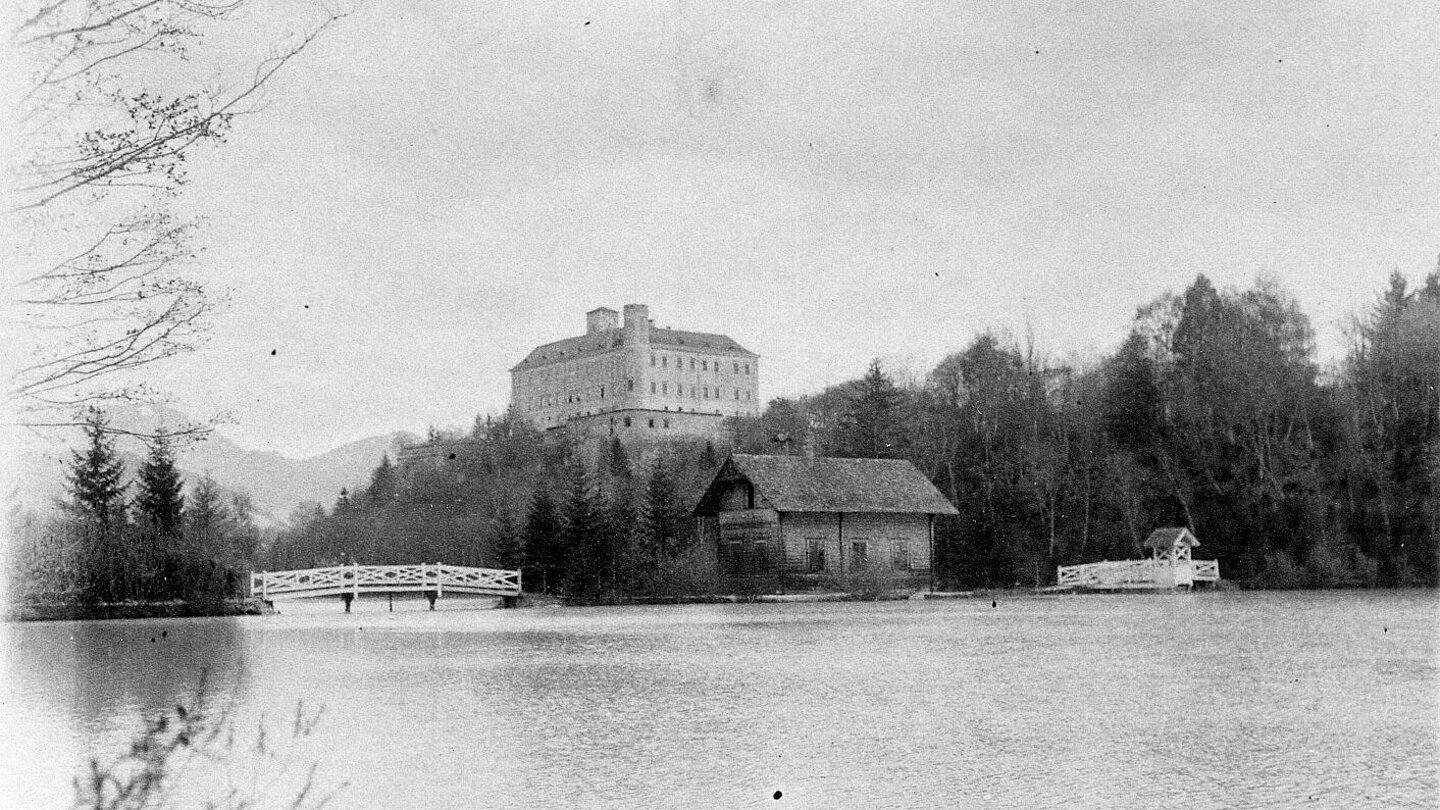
(737, 368)
(704, 365)
(667, 423)
(707, 392)
(664, 388)
(692, 364)
(652, 359)
(652, 423)
(652, 386)
(629, 385)
(737, 393)
(602, 392)
(747, 368)
(627, 421)
(664, 362)
(679, 390)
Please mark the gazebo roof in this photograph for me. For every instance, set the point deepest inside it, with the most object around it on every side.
(1171, 537)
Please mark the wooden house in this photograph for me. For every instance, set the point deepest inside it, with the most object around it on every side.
(1169, 566)
(787, 522)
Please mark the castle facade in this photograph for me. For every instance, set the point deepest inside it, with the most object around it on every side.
(633, 380)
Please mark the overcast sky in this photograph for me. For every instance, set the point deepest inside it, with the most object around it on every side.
(436, 187)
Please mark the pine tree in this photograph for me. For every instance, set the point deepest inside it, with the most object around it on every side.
(171, 571)
(207, 541)
(98, 502)
(160, 501)
(709, 459)
(874, 419)
(663, 521)
(543, 552)
(619, 461)
(583, 542)
(383, 482)
(508, 550)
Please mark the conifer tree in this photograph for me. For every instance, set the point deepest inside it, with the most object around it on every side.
(508, 549)
(383, 482)
(543, 552)
(583, 543)
(619, 461)
(709, 459)
(159, 506)
(98, 501)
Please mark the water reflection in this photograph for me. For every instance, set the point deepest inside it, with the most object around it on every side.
(1214, 701)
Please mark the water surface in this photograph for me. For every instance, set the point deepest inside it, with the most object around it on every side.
(1211, 700)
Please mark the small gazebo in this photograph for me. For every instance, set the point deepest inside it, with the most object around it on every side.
(1171, 543)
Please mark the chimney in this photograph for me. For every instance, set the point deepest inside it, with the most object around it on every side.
(637, 323)
(598, 320)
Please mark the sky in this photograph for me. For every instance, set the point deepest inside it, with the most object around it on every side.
(434, 188)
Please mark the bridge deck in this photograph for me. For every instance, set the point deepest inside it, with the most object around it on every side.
(334, 580)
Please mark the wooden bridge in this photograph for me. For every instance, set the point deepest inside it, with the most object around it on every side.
(349, 581)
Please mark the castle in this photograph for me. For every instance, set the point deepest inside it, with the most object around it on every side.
(636, 381)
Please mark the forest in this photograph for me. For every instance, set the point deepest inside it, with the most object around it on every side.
(1213, 414)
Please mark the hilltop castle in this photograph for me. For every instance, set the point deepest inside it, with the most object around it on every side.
(636, 381)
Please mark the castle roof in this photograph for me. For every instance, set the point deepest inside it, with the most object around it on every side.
(793, 484)
(606, 339)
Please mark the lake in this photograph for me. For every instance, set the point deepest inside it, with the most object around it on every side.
(1212, 699)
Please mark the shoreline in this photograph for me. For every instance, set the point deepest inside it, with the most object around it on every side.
(63, 612)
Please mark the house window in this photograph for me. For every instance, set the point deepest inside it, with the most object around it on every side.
(899, 554)
(815, 554)
(859, 553)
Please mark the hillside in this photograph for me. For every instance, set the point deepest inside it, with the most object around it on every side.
(277, 483)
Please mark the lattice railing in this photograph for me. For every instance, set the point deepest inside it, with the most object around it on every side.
(1132, 572)
(358, 579)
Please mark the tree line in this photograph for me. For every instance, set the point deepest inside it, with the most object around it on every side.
(582, 519)
(142, 540)
(1212, 414)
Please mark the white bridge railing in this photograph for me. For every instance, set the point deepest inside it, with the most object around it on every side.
(357, 579)
(1138, 573)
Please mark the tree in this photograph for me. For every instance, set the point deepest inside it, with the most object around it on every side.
(102, 137)
(159, 505)
(664, 522)
(544, 551)
(872, 427)
(618, 461)
(585, 552)
(97, 495)
(384, 482)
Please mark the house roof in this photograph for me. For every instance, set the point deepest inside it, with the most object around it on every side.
(1171, 536)
(794, 484)
(604, 339)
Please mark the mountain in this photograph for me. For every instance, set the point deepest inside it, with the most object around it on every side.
(276, 483)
